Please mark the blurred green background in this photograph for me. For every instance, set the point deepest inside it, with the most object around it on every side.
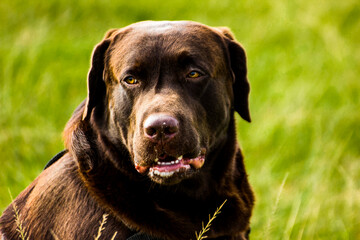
(302, 149)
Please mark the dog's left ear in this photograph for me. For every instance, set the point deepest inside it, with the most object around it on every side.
(241, 86)
(96, 83)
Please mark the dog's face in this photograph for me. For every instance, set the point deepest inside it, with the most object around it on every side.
(167, 90)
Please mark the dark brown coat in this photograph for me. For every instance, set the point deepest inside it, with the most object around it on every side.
(157, 92)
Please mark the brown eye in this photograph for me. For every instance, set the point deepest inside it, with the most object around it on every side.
(131, 80)
(194, 74)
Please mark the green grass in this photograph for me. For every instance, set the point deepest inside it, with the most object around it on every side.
(303, 147)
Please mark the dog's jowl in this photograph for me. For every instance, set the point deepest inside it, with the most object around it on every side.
(153, 145)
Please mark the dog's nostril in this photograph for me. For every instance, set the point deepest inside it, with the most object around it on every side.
(170, 130)
(159, 126)
(150, 131)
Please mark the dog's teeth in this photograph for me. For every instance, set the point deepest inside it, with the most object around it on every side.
(168, 174)
(162, 174)
(168, 163)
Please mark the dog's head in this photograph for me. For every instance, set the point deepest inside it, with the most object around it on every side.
(166, 91)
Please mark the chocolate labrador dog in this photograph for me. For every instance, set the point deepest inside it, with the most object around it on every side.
(153, 146)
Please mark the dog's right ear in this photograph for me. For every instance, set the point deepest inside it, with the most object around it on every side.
(96, 83)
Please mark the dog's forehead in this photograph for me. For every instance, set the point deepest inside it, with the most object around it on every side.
(169, 31)
(162, 27)
(157, 39)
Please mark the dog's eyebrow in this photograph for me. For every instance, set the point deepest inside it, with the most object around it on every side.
(137, 70)
(193, 58)
(186, 55)
(186, 58)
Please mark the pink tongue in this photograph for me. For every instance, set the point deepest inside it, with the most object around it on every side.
(170, 168)
(197, 163)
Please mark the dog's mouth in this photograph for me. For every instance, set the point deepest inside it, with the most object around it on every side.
(166, 167)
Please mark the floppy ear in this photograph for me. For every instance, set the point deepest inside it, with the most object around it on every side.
(241, 86)
(96, 83)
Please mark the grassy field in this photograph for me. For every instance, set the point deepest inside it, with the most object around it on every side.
(303, 147)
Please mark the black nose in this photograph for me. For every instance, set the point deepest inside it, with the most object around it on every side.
(160, 127)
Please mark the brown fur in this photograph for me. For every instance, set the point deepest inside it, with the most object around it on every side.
(105, 138)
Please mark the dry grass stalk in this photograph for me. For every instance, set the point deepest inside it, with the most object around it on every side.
(101, 227)
(54, 235)
(205, 229)
(114, 236)
(19, 224)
